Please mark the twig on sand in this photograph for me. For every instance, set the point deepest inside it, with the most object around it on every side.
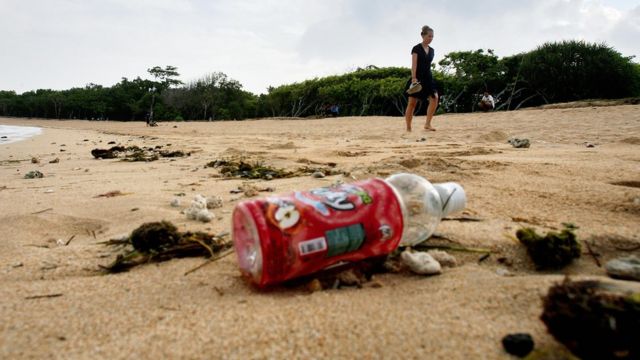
(69, 241)
(462, 219)
(484, 257)
(43, 296)
(452, 248)
(210, 260)
(593, 254)
(41, 211)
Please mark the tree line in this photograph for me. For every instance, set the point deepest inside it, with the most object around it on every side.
(553, 72)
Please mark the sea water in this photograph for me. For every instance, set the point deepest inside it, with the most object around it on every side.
(10, 134)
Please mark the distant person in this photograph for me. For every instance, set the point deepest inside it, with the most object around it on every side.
(421, 57)
(487, 103)
(334, 110)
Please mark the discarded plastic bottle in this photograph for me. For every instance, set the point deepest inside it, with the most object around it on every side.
(287, 236)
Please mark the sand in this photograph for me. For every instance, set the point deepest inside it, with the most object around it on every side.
(56, 303)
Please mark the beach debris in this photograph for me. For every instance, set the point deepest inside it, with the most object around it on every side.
(136, 153)
(353, 275)
(258, 170)
(504, 272)
(255, 170)
(518, 344)
(551, 251)
(420, 262)
(45, 296)
(594, 319)
(112, 194)
(161, 241)
(519, 143)
(41, 211)
(199, 210)
(250, 190)
(627, 268)
(154, 236)
(49, 191)
(444, 258)
(593, 254)
(214, 202)
(34, 174)
(54, 161)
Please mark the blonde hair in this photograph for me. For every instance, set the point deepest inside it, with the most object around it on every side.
(426, 29)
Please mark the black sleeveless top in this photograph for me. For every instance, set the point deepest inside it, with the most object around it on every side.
(423, 71)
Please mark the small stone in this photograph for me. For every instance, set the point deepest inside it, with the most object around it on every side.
(35, 174)
(175, 202)
(204, 215)
(54, 161)
(627, 268)
(35, 160)
(214, 202)
(519, 143)
(444, 258)
(519, 344)
(318, 175)
(49, 191)
(504, 272)
(314, 285)
(421, 263)
(590, 145)
(17, 265)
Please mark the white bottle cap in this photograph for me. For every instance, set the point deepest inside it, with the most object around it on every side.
(453, 197)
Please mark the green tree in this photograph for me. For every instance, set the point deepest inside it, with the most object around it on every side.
(164, 79)
(467, 74)
(575, 70)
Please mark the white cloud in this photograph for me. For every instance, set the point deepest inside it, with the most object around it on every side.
(66, 43)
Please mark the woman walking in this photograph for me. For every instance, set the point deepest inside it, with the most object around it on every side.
(421, 58)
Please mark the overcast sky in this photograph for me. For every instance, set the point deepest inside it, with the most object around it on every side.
(60, 44)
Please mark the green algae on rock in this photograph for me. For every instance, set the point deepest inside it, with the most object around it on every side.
(551, 251)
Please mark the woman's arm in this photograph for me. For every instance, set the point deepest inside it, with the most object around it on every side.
(414, 67)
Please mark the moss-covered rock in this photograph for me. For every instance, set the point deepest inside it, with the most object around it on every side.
(551, 251)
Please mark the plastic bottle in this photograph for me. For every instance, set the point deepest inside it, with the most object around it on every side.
(282, 237)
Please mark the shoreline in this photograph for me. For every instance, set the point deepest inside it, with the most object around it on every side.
(14, 133)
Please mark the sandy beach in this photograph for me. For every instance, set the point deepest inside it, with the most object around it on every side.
(583, 167)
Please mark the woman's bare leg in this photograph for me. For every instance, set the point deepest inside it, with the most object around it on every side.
(433, 104)
(408, 114)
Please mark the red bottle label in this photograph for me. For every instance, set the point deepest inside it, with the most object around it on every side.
(304, 232)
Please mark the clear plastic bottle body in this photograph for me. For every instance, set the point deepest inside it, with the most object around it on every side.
(424, 205)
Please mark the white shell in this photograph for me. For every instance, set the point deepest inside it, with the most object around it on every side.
(444, 258)
(421, 263)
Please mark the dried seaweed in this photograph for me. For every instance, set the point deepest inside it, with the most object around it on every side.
(136, 153)
(595, 320)
(161, 241)
(239, 168)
